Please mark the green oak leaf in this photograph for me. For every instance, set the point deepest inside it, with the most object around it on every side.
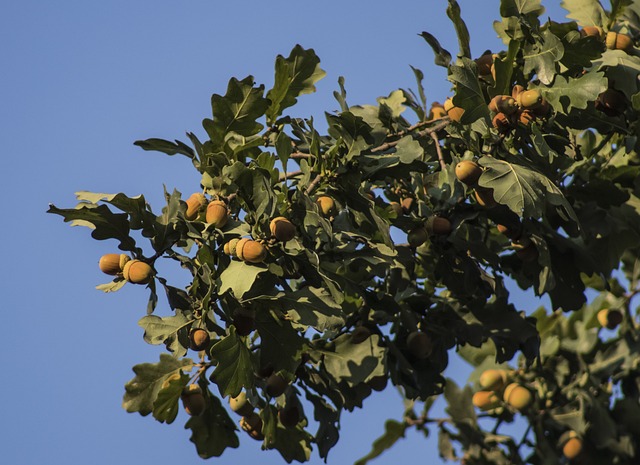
(469, 95)
(158, 330)
(213, 431)
(282, 346)
(453, 12)
(393, 432)
(541, 56)
(566, 94)
(239, 277)
(293, 443)
(234, 370)
(520, 8)
(142, 391)
(112, 286)
(328, 419)
(168, 227)
(355, 363)
(442, 56)
(170, 148)
(295, 75)
(165, 407)
(312, 306)
(585, 12)
(621, 68)
(459, 403)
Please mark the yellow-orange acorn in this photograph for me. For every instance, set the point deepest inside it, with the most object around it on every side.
(230, 247)
(493, 379)
(193, 399)
(194, 204)
(198, 339)
(529, 98)
(609, 318)
(217, 213)
(282, 229)
(519, 397)
(113, 263)
(572, 444)
(517, 90)
(327, 205)
(455, 113)
(437, 111)
(526, 117)
(616, 41)
(250, 251)
(484, 197)
(485, 400)
(468, 172)
(592, 31)
(407, 204)
(137, 272)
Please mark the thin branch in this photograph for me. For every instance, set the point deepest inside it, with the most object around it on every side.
(290, 174)
(425, 132)
(443, 165)
(297, 155)
(313, 184)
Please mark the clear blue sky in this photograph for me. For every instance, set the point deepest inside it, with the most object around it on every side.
(81, 81)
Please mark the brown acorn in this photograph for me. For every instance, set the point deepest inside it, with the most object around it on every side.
(503, 104)
(289, 416)
(610, 318)
(244, 321)
(484, 63)
(417, 236)
(526, 117)
(230, 247)
(572, 444)
(437, 226)
(252, 424)
(250, 251)
(592, 31)
(541, 110)
(501, 122)
(611, 102)
(493, 379)
(468, 172)
(241, 405)
(193, 400)
(419, 344)
(360, 334)
(194, 204)
(275, 385)
(137, 272)
(455, 113)
(525, 250)
(529, 98)
(113, 263)
(486, 400)
(396, 208)
(484, 197)
(282, 229)
(519, 397)
(437, 112)
(217, 213)
(198, 339)
(616, 41)
(378, 383)
(517, 90)
(327, 205)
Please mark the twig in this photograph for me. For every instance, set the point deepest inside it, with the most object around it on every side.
(313, 184)
(297, 155)
(290, 174)
(443, 165)
(425, 132)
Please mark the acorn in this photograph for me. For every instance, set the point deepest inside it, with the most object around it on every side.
(468, 172)
(417, 236)
(519, 397)
(137, 272)
(616, 41)
(493, 379)
(217, 213)
(419, 344)
(483, 64)
(501, 122)
(250, 251)
(592, 31)
(193, 400)
(198, 339)
(541, 110)
(407, 204)
(525, 250)
(529, 98)
(455, 113)
(437, 112)
(526, 117)
(282, 229)
(437, 226)
(378, 383)
(484, 197)
(252, 424)
(517, 90)
(113, 263)
(244, 321)
(611, 102)
(194, 204)
(360, 334)
(610, 318)
(327, 205)
(275, 385)
(230, 247)
(396, 208)
(503, 104)
(486, 400)
(241, 405)
(572, 444)
(289, 416)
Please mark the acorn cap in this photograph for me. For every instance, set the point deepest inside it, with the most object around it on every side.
(610, 318)
(113, 263)
(250, 251)
(230, 247)
(217, 213)
(252, 424)
(137, 272)
(194, 203)
(493, 379)
(282, 229)
(503, 104)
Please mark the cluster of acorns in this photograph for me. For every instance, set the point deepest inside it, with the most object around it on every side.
(133, 271)
(497, 391)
